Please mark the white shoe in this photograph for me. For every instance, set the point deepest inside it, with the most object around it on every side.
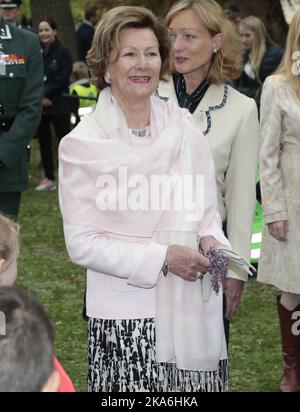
(46, 185)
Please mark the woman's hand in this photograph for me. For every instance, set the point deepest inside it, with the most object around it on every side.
(279, 230)
(233, 289)
(206, 242)
(47, 102)
(186, 263)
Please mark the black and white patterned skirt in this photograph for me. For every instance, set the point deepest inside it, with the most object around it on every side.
(121, 358)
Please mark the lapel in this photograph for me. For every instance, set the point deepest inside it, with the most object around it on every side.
(167, 89)
(215, 98)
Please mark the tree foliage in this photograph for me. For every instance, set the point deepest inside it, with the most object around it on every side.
(269, 11)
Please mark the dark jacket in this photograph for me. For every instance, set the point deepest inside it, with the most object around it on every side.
(21, 92)
(84, 35)
(269, 64)
(58, 68)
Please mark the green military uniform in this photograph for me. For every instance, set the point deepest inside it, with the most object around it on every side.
(21, 93)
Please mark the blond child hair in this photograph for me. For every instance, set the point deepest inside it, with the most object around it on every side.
(9, 250)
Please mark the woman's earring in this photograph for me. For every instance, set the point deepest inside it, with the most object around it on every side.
(215, 51)
(107, 78)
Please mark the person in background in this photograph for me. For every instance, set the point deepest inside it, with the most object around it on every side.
(26, 345)
(21, 94)
(25, 23)
(86, 30)
(154, 322)
(233, 13)
(56, 107)
(279, 162)
(9, 251)
(82, 86)
(207, 54)
(78, 24)
(261, 57)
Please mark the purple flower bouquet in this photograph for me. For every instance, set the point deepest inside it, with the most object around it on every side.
(218, 268)
(220, 258)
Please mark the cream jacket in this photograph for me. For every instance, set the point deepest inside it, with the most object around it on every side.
(233, 136)
(279, 162)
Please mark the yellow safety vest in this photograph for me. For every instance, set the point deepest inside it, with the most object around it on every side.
(83, 91)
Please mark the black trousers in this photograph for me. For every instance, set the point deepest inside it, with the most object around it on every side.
(10, 204)
(226, 322)
(62, 126)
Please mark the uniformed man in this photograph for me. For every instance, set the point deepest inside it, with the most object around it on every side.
(21, 93)
(10, 10)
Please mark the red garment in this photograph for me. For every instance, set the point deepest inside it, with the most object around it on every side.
(66, 385)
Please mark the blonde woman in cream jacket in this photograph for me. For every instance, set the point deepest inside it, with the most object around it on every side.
(206, 52)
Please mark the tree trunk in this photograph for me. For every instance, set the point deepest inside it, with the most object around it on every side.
(159, 7)
(271, 13)
(61, 12)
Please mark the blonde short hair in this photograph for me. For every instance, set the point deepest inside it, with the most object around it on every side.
(9, 241)
(107, 39)
(80, 70)
(227, 62)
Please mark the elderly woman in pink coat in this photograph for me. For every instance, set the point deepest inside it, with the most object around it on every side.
(137, 192)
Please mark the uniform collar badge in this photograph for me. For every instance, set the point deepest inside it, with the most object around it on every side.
(5, 33)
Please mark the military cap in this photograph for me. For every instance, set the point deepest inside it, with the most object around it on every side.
(10, 4)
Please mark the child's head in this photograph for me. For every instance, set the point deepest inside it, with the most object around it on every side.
(26, 344)
(9, 250)
(80, 71)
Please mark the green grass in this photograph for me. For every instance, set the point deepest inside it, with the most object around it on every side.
(45, 270)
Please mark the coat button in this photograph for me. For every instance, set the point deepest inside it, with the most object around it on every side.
(11, 75)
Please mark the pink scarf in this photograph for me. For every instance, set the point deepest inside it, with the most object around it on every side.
(189, 324)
